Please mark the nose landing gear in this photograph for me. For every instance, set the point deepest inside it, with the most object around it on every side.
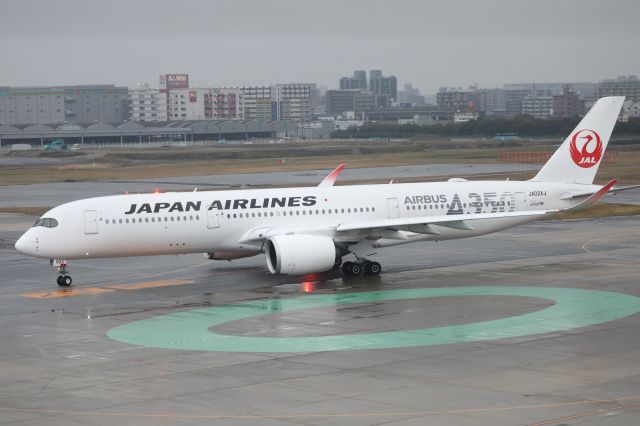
(64, 280)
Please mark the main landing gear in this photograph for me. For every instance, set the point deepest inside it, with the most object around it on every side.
(362, 266)
(64, 280)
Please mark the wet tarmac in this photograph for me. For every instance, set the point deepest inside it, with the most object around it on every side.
(55, 193)
(115, 347)
(535, 325)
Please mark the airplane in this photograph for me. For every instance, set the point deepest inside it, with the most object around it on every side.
(310, 229)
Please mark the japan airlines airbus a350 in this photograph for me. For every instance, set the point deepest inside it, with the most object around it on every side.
(307, 230)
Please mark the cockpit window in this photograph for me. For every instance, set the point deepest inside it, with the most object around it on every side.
(46, 222)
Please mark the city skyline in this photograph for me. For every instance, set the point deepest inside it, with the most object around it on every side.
(431, 45)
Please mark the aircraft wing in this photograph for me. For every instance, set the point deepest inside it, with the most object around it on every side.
(420, 225)
(414, 224)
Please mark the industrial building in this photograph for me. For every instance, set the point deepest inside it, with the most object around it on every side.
(130, 132)
(63, 104)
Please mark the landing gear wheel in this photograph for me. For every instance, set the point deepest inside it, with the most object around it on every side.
(64, 280)
(346, 267)
(356, 269)
(373, 268)
(338, 262)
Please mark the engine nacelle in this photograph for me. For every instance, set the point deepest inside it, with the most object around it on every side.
(230, 254)
(300, 254)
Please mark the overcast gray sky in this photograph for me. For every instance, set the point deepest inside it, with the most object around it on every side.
(242, 42)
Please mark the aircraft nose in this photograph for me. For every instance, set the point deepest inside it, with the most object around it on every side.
(26, 244)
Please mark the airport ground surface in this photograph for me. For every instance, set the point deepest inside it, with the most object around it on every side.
(55, 193)
(543, 355)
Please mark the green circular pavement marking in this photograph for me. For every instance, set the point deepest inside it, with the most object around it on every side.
(189, 330)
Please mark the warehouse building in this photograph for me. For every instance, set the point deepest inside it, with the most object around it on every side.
(129, 132)
(63, 104)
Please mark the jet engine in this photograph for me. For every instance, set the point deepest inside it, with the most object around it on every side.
(300, 254)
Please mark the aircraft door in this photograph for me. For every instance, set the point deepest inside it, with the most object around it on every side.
(90, 222)
(213, 218)
(394, 209)
(521, 202)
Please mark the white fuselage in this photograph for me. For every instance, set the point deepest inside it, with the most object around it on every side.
(219, 222)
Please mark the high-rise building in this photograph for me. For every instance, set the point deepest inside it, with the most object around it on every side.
(381, 85)
(621, 86)
(361, 77)
(375, 74)
(293, 101)
(257, 102)
(146, 104)
(205, 104)
(494, 102)
(59, 104)
(227, 103)
(455, 97)
(568, 104)
(357, 82)
(538, 106)
(411, 95)
(339, 101)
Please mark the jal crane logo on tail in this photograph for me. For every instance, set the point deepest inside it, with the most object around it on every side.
(586, 148)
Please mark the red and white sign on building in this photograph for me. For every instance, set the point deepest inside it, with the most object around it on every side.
(174, 81)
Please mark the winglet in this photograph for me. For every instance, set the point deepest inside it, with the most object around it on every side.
(594, 198)
(331, 177)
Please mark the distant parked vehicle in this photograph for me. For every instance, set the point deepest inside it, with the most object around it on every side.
(505, 137)
(55, 145)
(20, 147)
(75, 146)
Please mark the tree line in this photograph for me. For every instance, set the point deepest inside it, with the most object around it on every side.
(522, 125)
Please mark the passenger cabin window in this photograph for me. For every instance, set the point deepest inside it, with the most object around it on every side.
(46, 222)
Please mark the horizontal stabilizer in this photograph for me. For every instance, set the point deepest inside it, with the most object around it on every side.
(581, 194)
(593, 198)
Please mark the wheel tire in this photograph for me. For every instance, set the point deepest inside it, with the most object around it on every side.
(338, 262)
(59, 280)
(346, 267)
(356, 269)
(66, 281)
(374, 268)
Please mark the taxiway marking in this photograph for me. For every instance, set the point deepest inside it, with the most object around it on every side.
(195, 329)
(87, 291)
